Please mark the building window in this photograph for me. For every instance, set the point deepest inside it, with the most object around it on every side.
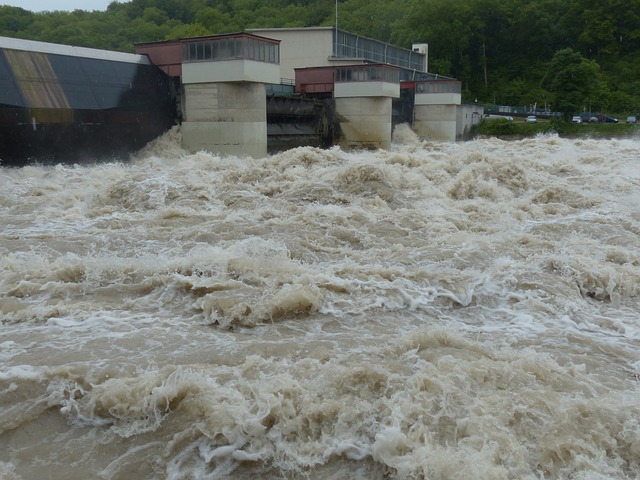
(438, 86)
(231, 48)
(368, 73)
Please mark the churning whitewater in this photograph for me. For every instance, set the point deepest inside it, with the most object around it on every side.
(435, 311)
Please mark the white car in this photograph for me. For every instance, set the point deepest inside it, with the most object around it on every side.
(576, 119)
(531, 119)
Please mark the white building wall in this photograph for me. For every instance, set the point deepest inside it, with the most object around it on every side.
(424, 49)
(438, 99)
(230, 71)
(366, 89)
(301, 48)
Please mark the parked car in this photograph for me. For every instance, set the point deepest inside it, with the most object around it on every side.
(586, 117)
(489, 116)
(531, 119)
(632, 119)
(602, 118)
(576, 119)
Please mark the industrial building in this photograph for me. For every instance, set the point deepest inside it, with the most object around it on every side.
(372, 85)
(331, 47)
(247, 93)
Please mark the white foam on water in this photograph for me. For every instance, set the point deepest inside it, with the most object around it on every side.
(437, 310)
(21, 372)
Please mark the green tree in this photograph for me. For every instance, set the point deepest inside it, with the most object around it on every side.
(14, 19)
(155, 15)
(216, 21)
(499, 49)
(186, 30)
(610, 27)
(445, 26)
(575, 83)
(371, 18)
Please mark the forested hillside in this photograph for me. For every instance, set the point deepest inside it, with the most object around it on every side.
(512, 52)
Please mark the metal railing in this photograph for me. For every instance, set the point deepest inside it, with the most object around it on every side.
(349, 45)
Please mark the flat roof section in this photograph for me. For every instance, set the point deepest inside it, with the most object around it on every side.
(288, 29)
(71, 51)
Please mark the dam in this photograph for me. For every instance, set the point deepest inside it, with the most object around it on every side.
(60, 103)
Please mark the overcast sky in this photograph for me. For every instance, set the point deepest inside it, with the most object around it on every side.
(69, 5)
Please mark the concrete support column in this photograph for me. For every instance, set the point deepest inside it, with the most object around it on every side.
(224, 81)
(365, 122)
(435, 122)
(364, 107)
(435, 114)
(226, 117)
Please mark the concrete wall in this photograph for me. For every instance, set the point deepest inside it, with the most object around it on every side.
(227, 118)
(436, 116)
(468, 115)
(364, 122)
(435, 122)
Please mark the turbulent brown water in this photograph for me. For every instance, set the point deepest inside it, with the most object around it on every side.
(435, 311)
